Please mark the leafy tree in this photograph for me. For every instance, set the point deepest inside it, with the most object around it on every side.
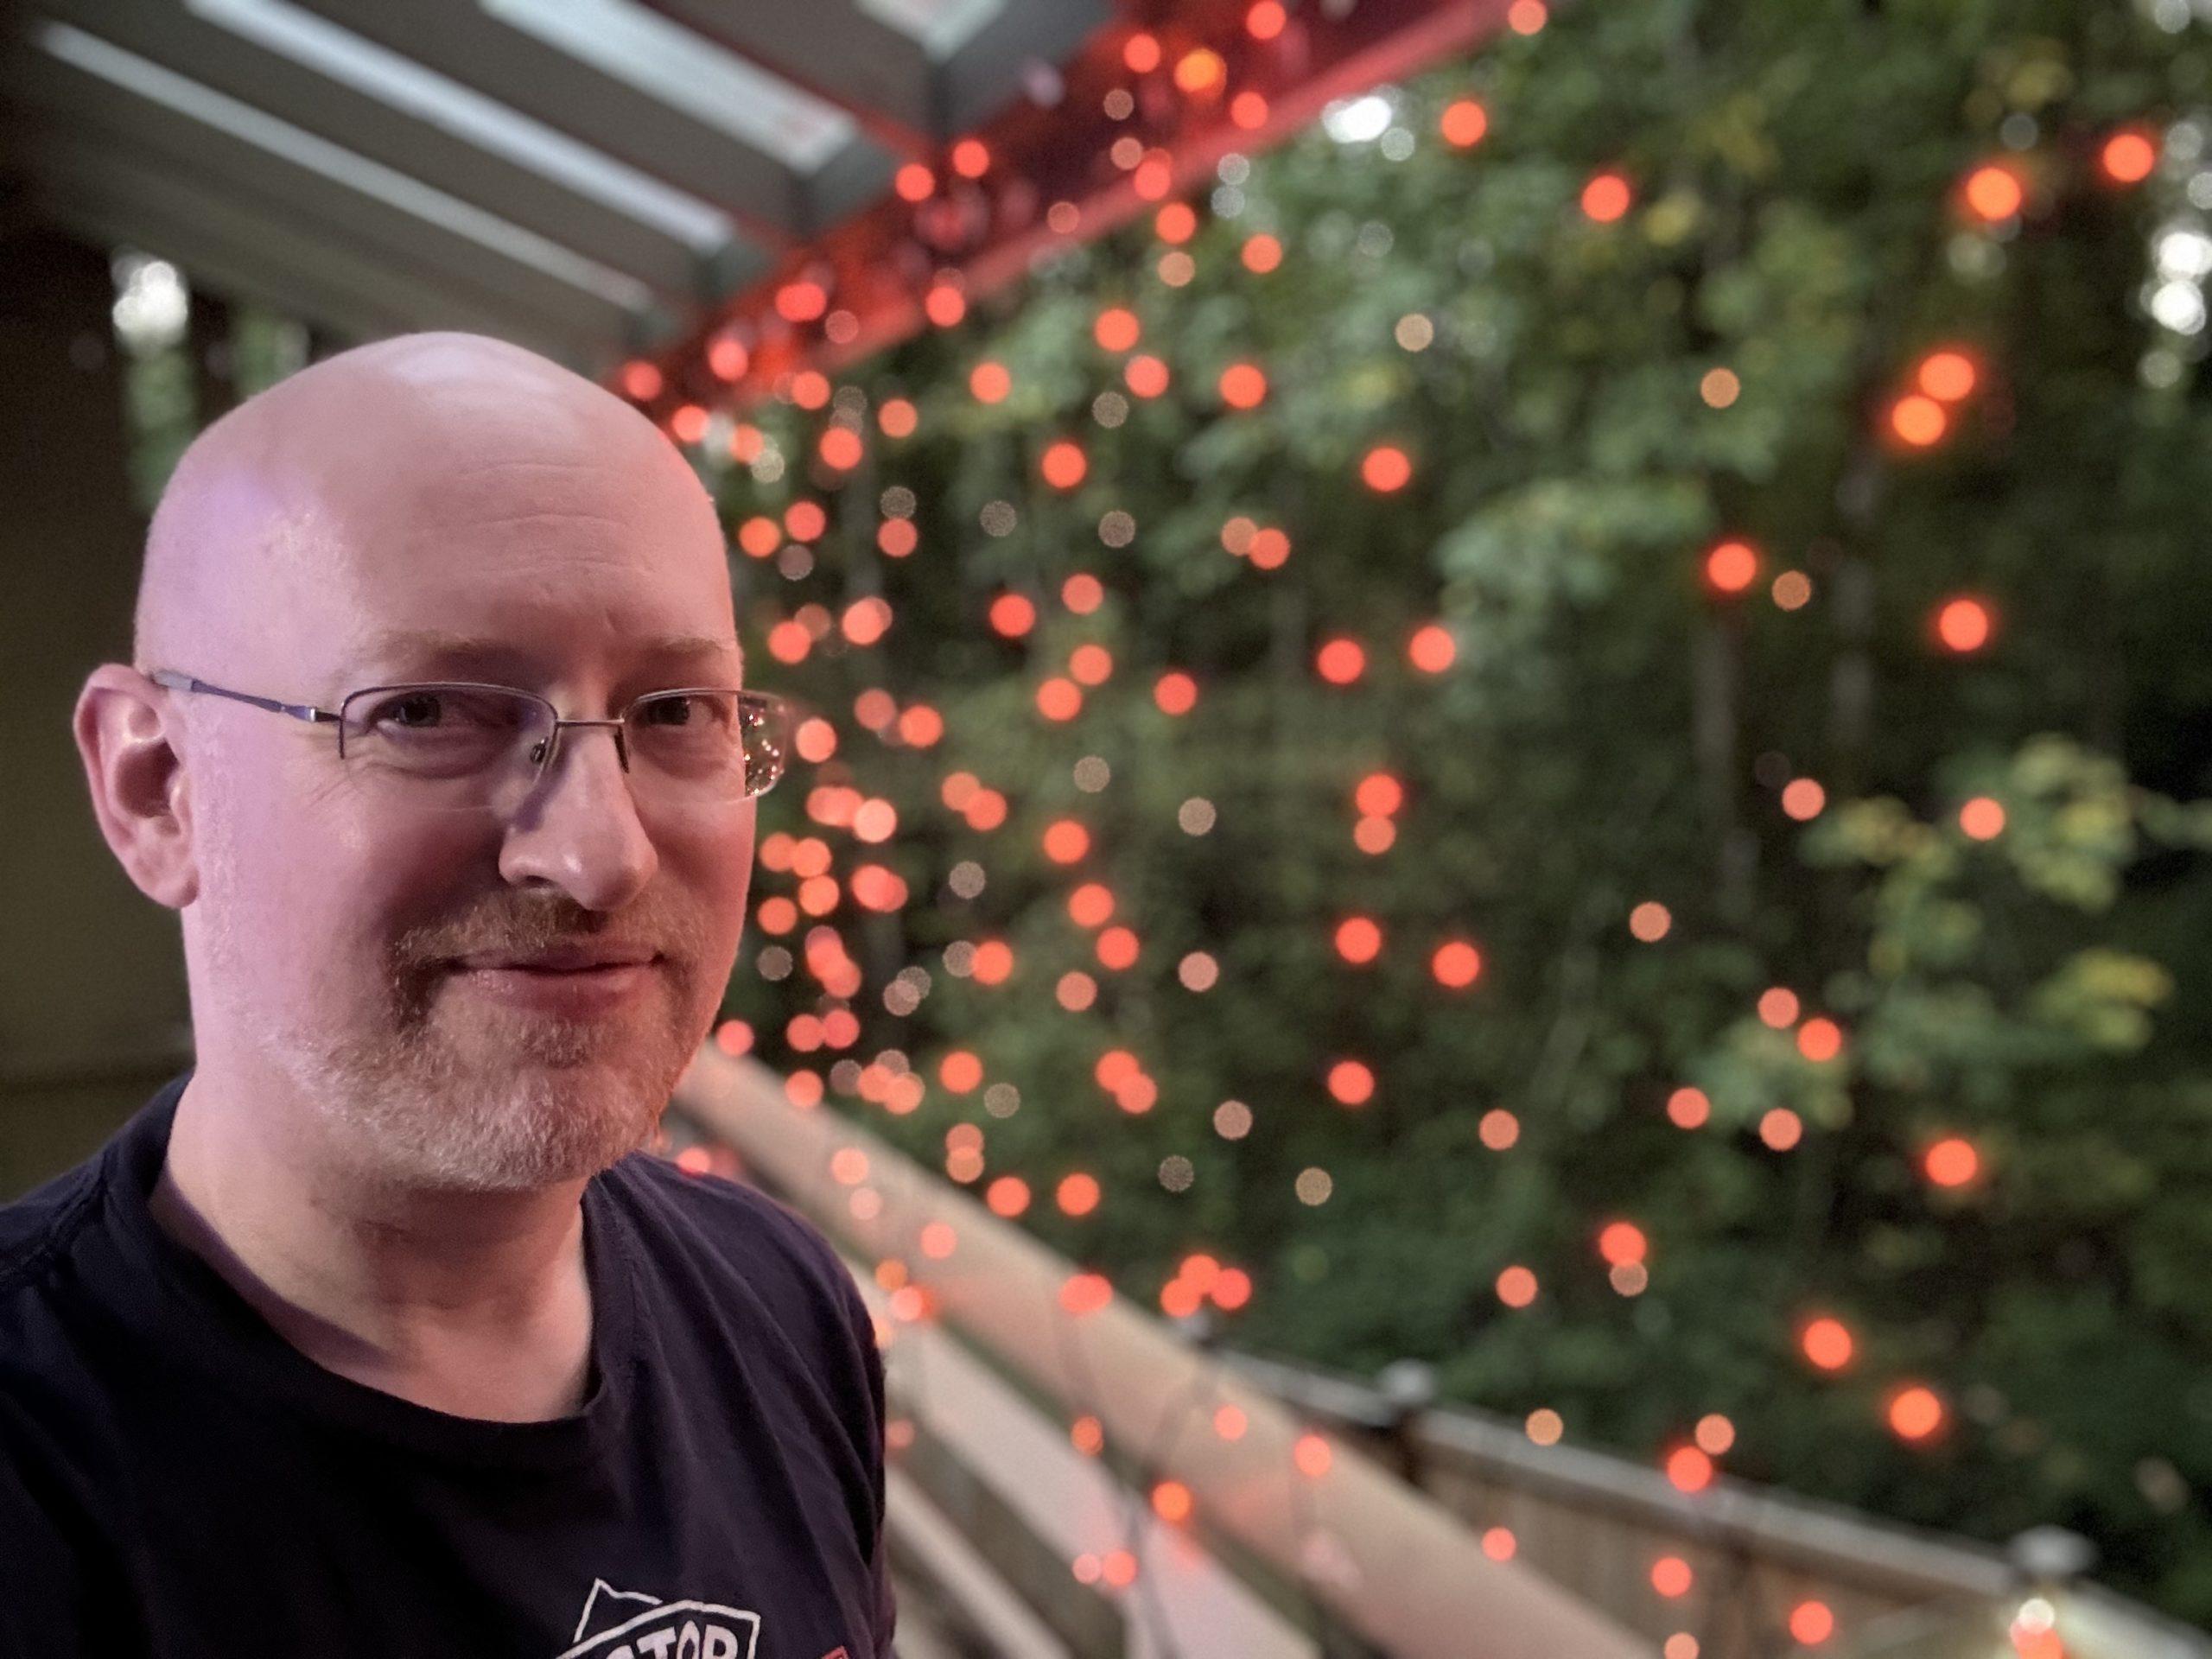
(1594, 387)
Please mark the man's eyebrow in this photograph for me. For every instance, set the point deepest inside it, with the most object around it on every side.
(432, 644)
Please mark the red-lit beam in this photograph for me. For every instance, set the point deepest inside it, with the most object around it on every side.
(1053, 166)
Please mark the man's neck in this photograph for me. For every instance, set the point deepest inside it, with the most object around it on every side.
(474, 1304)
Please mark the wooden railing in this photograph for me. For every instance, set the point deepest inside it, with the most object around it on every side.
(1386, 1544)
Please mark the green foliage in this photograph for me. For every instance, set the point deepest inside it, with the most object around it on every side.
(1611, 733)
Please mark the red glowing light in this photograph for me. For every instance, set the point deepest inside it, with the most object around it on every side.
(1828, 1344)
(1386, 468)
(1732, 567)
(1341, 661)
(1117, 329)
(1947, 376)
(1063, 465)
(2128, 157)
(1952, 1161)
(1606, 198)
(1243, 385)
(1993, 192)
(1463, 123)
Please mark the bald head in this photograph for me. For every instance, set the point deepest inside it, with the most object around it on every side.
(366, 474)
(429, 509)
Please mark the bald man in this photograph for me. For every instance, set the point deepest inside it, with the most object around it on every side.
(375, 1332)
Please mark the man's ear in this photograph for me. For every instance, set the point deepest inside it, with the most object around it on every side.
(127, 738)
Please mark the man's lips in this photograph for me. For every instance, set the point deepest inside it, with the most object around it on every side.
(566, 960)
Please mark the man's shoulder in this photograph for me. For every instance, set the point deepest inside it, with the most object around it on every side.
(38, 1228)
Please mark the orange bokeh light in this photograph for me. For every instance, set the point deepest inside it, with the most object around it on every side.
(1811, 1622)
(839, 450)
(1982, 819)
(1819, 1039)
(1963, 624)
(1176, 693)
(1117, 949)
(1358, 939)
(1013, 614)
(1117, 329)
(1919, 421)
(1690, 1469)
(1432, 649)
(1378, 795)
(1732, 567)
(1351, 1082)
(1456, 964)
(1947, 376)
(2128, 157)
(1200, 73)
(1243, 385)
(1463, 123)
(1915, 1412)
(1993, 192)
(1175, 223)
(943, 305)
(1952, 1161)
(1828, 1344)
(1606, 197)
(1063, 465)
(1621, 1242)
(1066, 841)
(1091, 904)
(1147, 376)
(1085, 1292)
(1385, 467)
(1340, 661)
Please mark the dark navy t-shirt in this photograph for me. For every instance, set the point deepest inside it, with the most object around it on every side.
(177, 1480)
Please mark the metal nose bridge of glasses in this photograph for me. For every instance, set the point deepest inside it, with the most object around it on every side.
(541, 754)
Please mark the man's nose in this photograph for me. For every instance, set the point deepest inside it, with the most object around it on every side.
(579, 829)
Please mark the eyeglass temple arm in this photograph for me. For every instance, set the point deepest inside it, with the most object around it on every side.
(186, 682)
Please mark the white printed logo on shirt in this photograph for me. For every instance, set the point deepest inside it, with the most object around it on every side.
(662, 1630)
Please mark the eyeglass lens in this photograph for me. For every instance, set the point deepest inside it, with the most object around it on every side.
(468, 746)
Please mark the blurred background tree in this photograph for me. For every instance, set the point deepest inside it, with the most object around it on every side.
(1673, 888)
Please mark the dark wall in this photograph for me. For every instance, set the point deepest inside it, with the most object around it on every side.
(92, 1008)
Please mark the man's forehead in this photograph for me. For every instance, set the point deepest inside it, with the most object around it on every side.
(441, 649)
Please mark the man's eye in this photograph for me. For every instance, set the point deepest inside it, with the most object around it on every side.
(419, 708)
